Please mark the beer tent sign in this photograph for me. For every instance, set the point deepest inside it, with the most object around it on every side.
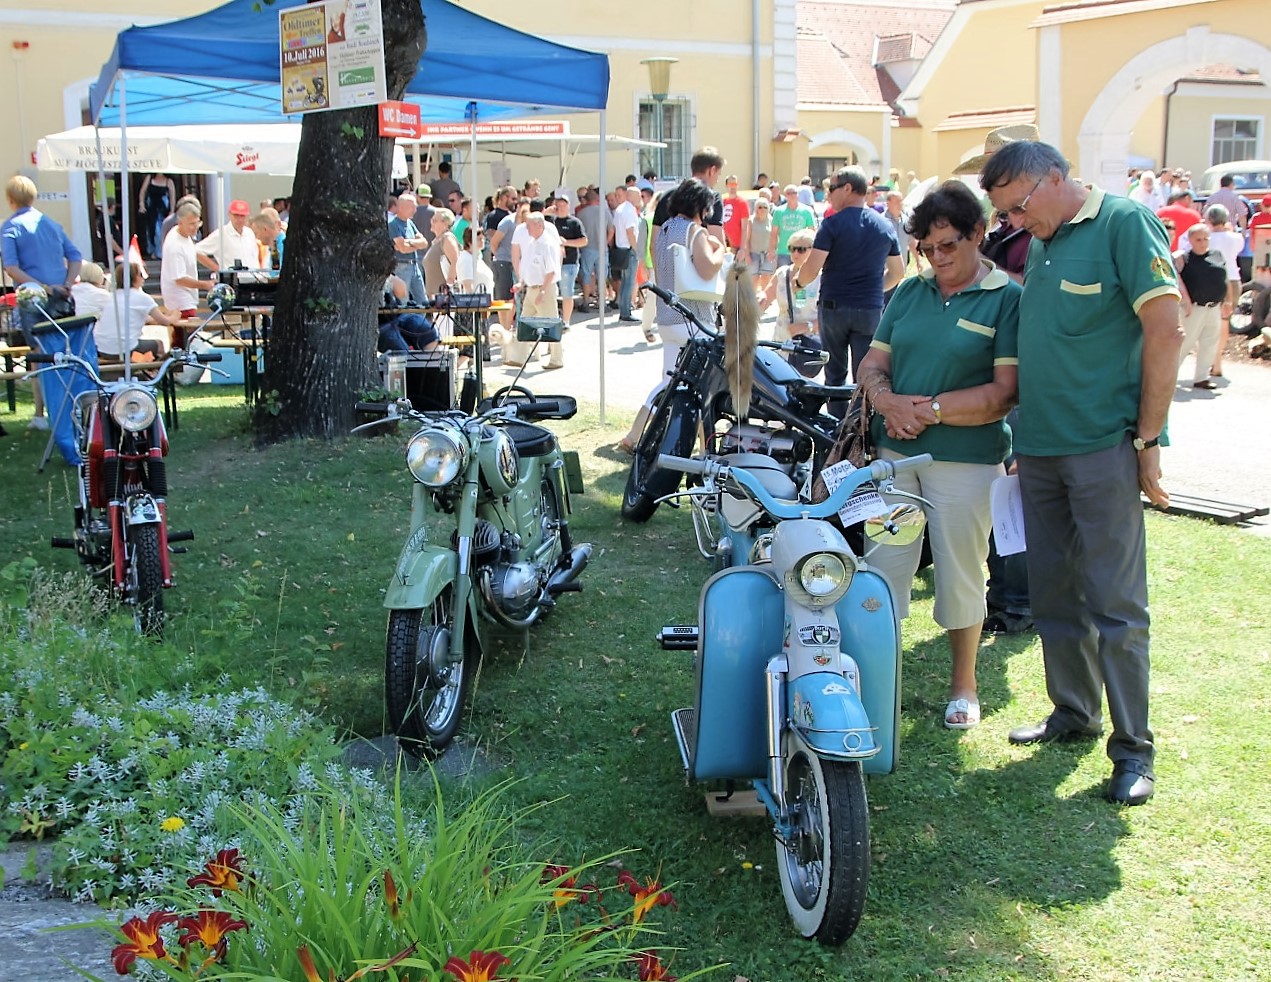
(332, 56)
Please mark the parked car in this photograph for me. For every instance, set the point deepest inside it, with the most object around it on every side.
(1252, 178)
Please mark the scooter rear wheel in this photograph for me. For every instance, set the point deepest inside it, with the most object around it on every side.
(424, 692)
(824, 867)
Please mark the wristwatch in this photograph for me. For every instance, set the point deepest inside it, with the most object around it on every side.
(935, 408)
(1141, 444)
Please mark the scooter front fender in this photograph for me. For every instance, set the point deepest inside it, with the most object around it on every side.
(420, 577)
(827, 713)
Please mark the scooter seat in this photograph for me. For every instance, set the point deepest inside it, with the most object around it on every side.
(530, 440)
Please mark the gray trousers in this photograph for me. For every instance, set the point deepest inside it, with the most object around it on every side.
(1087, 570)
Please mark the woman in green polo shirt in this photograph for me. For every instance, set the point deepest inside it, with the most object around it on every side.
(941, 375)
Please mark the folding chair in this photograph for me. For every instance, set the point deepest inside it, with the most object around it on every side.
(62, 389)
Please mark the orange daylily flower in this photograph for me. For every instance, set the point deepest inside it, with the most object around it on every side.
(143, 940)
(651, 968)
(392, 897)
(209, 927)
(307, 965)
(480, 966)
(225, 872)
(647, 895)
(568, 890)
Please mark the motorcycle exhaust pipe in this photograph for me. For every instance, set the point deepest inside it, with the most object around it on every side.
(562, 581)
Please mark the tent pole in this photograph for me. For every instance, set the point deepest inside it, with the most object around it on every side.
(602, 266)
(478, 340)
(125, 195)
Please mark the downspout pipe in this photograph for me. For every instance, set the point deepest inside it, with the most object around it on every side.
(1169, 96)
(754, 82)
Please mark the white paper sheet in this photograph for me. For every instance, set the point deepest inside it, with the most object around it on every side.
(1008, 515)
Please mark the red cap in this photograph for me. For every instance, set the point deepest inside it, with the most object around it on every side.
(239, 207)
(1266, 201)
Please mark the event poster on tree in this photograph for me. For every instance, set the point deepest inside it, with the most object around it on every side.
(332, 56)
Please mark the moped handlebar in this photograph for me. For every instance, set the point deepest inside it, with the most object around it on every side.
(879, 470)
(205, 357)
(41, 358)
(61, 360)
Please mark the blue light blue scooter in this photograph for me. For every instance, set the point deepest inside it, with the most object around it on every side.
(798, 677)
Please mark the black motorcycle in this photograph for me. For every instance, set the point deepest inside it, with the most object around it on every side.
(785, 420)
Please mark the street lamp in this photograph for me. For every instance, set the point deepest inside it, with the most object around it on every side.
(659, 84)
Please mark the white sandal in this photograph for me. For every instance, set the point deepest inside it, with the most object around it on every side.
(970, 708)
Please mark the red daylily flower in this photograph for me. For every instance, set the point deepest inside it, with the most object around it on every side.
(225, 872)
(568, 889)
(647, 894)
(209, 927)
(481, 966)
(651, 968)
(390, 895)
(143, 940)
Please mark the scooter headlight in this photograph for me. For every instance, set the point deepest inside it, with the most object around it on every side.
(435, 456)
(823, 578)
(134, 408)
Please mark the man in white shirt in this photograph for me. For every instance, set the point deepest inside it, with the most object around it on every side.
(626, 228)
(231, 243)
(179, 273)
(539, 273)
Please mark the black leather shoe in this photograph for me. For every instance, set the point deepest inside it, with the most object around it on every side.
(1132, 783)
(1048, 731)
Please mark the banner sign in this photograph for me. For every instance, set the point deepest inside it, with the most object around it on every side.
(400, 119)
(544, 128)
(332, 55)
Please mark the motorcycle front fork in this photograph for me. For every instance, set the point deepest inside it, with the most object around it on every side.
(466, 517)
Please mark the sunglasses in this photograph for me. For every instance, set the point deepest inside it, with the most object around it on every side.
(835, 187)
(944, 248)
(800, 249)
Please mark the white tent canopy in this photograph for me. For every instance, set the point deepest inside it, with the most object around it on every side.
(267, 148)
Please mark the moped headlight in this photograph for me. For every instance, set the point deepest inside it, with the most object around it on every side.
(823, 575)
(436, 457)
(134, 408)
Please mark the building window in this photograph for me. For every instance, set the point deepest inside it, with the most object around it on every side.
(1235, 139)
(677, 120)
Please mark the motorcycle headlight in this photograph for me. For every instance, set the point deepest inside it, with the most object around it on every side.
(435, 457)
(134, 408)
(822, 578)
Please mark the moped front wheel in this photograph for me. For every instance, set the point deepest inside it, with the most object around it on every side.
(424, 691)
(147, 577)
(824, 865)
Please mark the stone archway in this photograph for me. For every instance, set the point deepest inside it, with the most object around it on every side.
(866, 150)
(1104, 139)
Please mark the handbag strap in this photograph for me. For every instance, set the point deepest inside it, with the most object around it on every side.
(789, 295)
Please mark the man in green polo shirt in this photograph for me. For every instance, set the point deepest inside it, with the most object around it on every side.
(1098, 359)
(787, 219)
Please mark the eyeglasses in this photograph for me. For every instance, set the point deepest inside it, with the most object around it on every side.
(800, 249)
(944, 248)
(1022, 207)
(835, 187)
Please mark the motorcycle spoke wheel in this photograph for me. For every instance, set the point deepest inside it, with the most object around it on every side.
(639, 500)
(824, 867)
(146, 580)
(425, 693)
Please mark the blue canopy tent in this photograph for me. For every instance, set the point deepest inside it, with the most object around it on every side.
(223, 67)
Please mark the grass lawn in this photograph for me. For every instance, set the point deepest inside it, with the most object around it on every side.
(990, 861)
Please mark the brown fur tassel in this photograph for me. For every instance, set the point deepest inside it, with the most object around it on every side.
(741, 327)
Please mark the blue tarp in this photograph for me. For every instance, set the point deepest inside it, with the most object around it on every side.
(222, 67)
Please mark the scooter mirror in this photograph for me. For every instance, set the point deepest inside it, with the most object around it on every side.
(31, 296)
(900, 526)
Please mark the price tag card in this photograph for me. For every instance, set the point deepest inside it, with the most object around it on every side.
(865, 501)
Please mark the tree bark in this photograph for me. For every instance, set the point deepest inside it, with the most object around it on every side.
(322, 343)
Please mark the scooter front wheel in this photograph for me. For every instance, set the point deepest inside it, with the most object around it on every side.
(824, 865)
(424, 691)
(146, 586)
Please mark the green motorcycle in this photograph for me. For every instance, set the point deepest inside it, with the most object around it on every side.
(489, 547)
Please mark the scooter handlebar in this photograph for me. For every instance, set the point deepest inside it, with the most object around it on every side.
(676, 304)
(879, 470)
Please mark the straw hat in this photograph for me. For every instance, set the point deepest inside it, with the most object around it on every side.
(994, 142)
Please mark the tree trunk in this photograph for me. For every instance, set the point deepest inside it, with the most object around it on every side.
(322, 344)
